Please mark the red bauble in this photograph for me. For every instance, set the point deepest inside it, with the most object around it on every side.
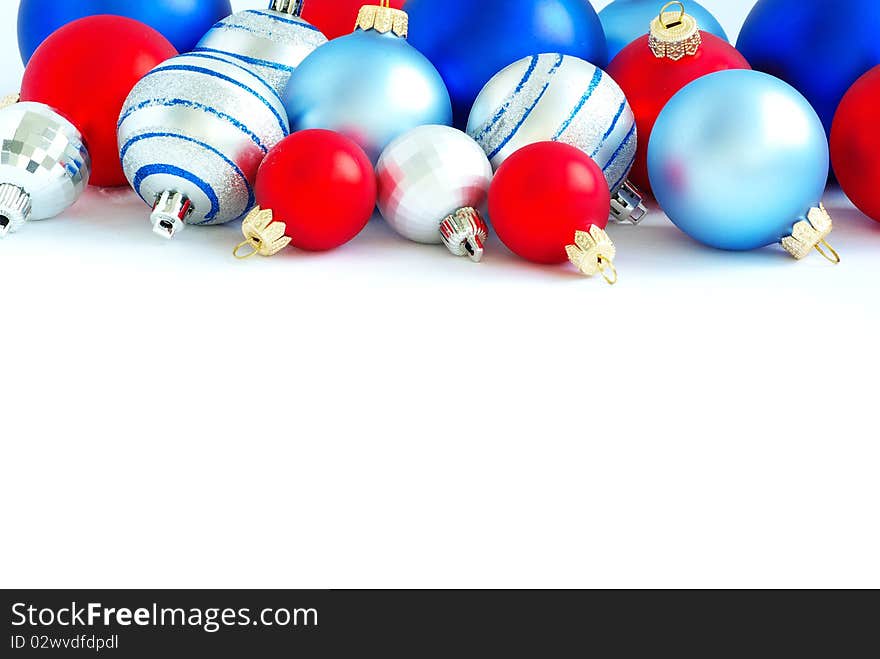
(85, 70)
(321, 185)
(543, 195)
(336, 18)
(649, 83)
(855, 144)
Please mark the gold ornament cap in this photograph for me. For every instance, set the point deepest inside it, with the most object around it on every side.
(383, 18)
(812, 234)
(262, 234)
(9, 99)
(594, 252)
(674, 34)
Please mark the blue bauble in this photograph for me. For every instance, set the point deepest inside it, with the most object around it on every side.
(469, 42)
(183, 22)
(820, 47)
(625, 21)
(369, 86)
(737, 158)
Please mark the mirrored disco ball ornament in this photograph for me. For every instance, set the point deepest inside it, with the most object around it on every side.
(433, 183)
(372, 85)
(192, 135)
(271, 41)
(559, 98)
(44, 165)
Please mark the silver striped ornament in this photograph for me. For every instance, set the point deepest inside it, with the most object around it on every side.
(553, 97)
(271, 41)
(192, 135)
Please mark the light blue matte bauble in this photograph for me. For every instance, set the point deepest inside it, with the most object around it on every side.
(469, 41)
(625, 21)
(820, 47)
(368, 86)
(737, 158)
(182, 22)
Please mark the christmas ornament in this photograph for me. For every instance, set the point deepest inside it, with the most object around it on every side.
(557, 98)
(433, 182)
(335, 17)
(273, 42)
(470, 42)
(625, 21)
(855, 143)
(739, 161)
(182, 22)
(370, 85)
(44, 165)
(819, 47)
(656, 66)
(85, 70)
(549, 203)
(192, 135)
(316, 190)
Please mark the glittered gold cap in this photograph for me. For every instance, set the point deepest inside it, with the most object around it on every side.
(383, 18)
(675, 34)
(9, 99)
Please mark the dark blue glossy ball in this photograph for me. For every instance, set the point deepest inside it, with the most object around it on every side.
(820, 47)
(470, 41)
(183, 22)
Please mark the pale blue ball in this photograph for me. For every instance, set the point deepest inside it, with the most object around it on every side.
(737, 158)
(368, 86)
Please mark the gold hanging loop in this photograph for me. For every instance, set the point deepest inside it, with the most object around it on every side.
(680, 16)
(244, 257)
(827, 251)
(609, 272)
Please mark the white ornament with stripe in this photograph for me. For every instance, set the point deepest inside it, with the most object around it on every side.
(271, 41)
(192, 135)
(553, 97)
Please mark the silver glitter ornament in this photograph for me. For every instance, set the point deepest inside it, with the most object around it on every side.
(44, 165)
(271, 41)
(192, 135)
(559, 98)
(433, 181)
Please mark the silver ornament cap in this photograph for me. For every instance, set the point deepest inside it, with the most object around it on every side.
(15, 208)
(44, 164)
(170, 213)
(465, 233)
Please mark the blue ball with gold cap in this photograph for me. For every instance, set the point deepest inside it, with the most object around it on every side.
(371, 85)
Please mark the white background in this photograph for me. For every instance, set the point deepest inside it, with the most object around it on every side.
(388, 416)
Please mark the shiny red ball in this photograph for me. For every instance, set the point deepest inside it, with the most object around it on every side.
(542, 196)
(336, 18)
(321, 185)
(650, 82)
(855, 144)
(85, 70)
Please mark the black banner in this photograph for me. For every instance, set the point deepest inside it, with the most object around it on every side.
(417, 623)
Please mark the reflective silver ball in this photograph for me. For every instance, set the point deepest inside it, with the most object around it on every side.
(428, 173)
(200, 124)
(44, 164)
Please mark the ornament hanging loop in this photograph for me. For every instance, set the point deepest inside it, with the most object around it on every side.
(676, 22)
(828, 252)
(609, 272)
(237, 253)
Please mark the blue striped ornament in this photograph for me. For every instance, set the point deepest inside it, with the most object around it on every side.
(270, 41)
(557, 98)
(200, 125)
